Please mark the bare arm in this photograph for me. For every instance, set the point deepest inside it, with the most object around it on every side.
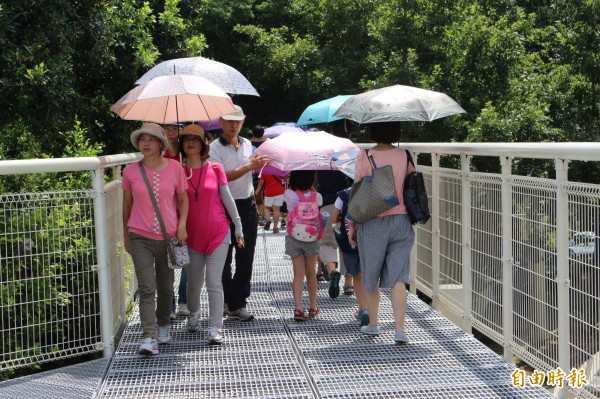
(261, 183)
(255, 162)
(127, 204)
(182, 200)
(335, 215)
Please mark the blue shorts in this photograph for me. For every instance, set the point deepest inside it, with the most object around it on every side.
(352, 263)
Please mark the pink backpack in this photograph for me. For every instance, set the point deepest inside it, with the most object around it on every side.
(304, 221)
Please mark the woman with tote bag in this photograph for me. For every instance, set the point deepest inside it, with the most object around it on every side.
(143, 235)
(384, 242)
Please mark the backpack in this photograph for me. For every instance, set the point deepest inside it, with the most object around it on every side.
(305, 222)
(342, 237)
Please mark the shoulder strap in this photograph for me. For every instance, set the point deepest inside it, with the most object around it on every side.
(313, 196)
(370, 158)
(156, 210)
(409, 159)
(300, 195)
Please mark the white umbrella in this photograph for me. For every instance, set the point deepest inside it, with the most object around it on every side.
(227, 78)
(398, 103)
(171, 98)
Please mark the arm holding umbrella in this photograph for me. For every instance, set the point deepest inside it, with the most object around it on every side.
(255, 162)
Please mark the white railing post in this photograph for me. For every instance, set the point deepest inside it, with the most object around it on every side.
(466, 243)
(562, 267)
(106, 310)
(507, 258)
(412, 277)
(435, 230)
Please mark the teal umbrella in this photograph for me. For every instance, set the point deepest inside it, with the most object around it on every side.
(322, 112)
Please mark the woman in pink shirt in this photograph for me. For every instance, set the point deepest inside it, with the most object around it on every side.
(143, 235)
(385, 242)
(208, 230)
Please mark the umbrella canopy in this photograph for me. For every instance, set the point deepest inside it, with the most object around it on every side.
(271, 170)
(174, 98)
(322, 112)
(345, 161)
(398, 103)
(276, 130)
(213, 124)
(304, 150)
(227, 78)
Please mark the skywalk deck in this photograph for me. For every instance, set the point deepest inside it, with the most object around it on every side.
(276, 357)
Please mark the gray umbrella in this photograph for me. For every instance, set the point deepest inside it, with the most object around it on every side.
(227, 78)
(398, 103)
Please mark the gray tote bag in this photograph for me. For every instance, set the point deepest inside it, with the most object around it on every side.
(373, 194)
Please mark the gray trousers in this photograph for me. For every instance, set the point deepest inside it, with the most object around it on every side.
(154, 277)
(213, 266)
(384, 245)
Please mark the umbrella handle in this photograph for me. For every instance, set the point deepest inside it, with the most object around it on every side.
(191, 172)
(261, 169)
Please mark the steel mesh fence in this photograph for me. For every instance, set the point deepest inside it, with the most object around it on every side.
(49, 306)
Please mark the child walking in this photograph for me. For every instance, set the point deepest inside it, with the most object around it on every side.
(274, 187)
(349, 253)
(304, 229)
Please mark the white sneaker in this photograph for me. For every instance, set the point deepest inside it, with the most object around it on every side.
(193, 324)
(164, 337)
(215, 337)
(148, 347)
(173, 316)
(183, 310)
(240, 314)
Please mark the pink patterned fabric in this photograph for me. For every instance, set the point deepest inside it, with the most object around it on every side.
(207, 223)
(166, 184)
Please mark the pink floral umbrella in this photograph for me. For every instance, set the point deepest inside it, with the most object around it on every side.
(304, 150)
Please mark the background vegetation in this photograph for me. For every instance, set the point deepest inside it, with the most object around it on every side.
(525, 70)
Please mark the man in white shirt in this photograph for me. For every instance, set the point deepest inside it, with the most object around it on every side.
(235, 154)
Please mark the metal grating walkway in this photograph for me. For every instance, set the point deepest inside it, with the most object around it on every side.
(275, 357)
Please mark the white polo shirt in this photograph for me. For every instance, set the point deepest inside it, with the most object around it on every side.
(227, 156)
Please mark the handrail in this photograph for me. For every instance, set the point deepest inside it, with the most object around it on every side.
(25, 166)
(582, 151)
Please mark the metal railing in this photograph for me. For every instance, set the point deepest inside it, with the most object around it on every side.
(514, 257)
(62, 271)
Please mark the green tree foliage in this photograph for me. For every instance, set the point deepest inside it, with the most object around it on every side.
(523, 70)
(47, 285)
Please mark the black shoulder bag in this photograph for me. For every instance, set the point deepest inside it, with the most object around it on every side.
(415, 195)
